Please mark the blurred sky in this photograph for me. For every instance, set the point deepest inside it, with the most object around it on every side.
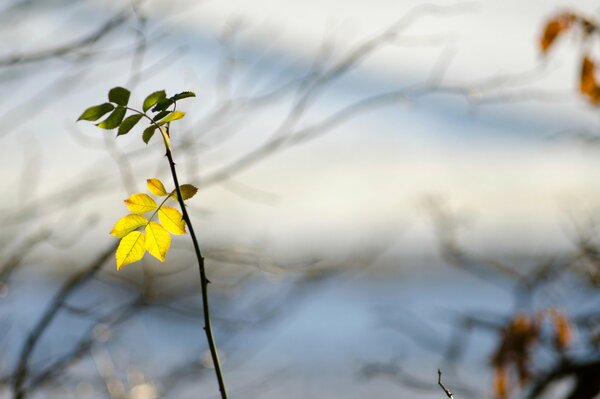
(365, 179)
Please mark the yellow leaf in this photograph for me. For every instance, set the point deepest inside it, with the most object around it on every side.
(187, 191)
(156, 187)
(171, 219)
(158, 240)
(127, 224)
(140, 203)
(131, 249)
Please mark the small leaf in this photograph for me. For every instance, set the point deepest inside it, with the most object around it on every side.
(153, 98)
(163, 105)
(156, 187)
(158, 241)
(140, 203)
(127, 224)
(160, 115)
(114, 119)
(96, 112)
(563, 332)
(554, 28)
(173, 116)
(128, 124)
(131, 249)
(171, 219)
(182, 95)
(188, 191)
(119, 96)
(148, 133)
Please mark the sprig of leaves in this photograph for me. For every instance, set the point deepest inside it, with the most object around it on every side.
(156, 236)
(155, 109)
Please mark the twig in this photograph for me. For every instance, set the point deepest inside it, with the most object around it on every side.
(449, 394)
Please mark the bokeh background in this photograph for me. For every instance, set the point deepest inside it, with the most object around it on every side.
(383, 186)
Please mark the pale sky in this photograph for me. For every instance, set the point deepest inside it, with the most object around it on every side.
(521, 189)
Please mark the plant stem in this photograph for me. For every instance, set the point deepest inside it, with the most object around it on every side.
(203, 279)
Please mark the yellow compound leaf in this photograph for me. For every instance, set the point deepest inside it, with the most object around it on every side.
(171, 219)
(131, 249)
(140, 203)
(127, 224)
(156, 187)
(158, 241)
(187, 191)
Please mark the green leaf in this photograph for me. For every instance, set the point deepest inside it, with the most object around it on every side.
(129, 123)
(188, 191)
(114, 119)
(96, 112)
(182, 95)
(153, 98)
(173, 116)
(163, 105)
(148, 133)
(160, 115)
(119, 96)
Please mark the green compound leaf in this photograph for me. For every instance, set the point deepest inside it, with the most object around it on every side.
(173, 116)
(153, 98)
(96, 112)
(182, 95)
(148, 133)
(114, 119)
(129, 123)
(119, 96)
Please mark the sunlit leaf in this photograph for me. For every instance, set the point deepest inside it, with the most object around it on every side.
(158, 240)
(127, 224)
(114, 119)
(131, 249)
(171, 219)
(182, 95)
(173, 116)
(128, 123)
(140, 203)
(119, 96)
(96, 112)
(148, 133)
(153, 98)
(156, 187)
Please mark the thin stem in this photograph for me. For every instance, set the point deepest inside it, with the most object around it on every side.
(203, 279)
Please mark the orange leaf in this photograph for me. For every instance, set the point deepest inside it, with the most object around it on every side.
(500, 383)
(554, 28)
(562, 329)
(587, 82)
